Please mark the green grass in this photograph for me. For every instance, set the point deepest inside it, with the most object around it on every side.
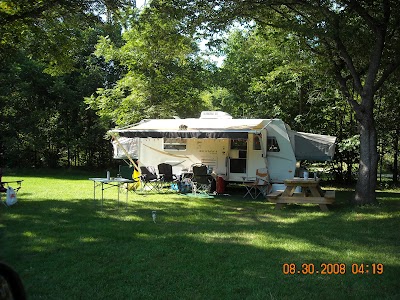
(65, 246)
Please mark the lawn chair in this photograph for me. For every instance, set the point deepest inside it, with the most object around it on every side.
(165, 173)
(201, 179)
(260, 186)
(10, 192)
(129, 172)
(150, 178)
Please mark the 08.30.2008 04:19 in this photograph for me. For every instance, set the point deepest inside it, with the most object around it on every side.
(332, 268)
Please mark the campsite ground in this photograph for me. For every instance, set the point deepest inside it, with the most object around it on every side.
(64, 246)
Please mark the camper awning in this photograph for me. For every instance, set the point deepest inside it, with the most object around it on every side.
(313, 147)
(186, 134)
(192, 128)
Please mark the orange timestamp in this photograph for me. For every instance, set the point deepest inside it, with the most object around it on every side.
(332, 268)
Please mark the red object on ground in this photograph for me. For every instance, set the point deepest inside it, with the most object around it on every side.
(220, 189)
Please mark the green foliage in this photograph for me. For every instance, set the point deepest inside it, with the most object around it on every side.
(54, 32)
(43, 119)
(163, 77)
(268, 75)
(351, 144)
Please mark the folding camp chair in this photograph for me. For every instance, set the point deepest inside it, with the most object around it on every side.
(201, 179)
(129, 172)
(150, 178)
(260, 186)
(9, 191)
(165, 173)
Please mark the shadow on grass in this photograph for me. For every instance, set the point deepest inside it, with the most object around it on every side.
(208, 248)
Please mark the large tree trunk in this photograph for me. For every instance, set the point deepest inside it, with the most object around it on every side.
(367, 173)
(396, 155)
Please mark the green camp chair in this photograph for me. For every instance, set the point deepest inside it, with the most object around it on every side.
(128, 172)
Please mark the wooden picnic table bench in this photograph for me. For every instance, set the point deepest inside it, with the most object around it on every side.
(311, 193)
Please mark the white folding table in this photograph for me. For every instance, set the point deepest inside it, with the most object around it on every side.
(106, 183)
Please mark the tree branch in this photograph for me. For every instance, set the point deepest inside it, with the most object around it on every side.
(343, 87)
(386, 73)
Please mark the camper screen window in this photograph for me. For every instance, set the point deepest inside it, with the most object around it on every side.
(239, 144)
(256, 142)
(174, 144)
(272, 144)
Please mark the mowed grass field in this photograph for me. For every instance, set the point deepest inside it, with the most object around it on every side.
(65, 245)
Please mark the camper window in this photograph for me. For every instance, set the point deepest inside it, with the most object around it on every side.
(174, 144)
(238, 144)
(256, 142)
(272, 144)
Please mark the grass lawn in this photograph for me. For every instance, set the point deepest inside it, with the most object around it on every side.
(64, 246)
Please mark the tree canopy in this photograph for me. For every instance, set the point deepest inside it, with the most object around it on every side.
(163, 76)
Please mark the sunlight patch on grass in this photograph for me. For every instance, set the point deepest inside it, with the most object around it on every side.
(115, 214)
(144, 236)
(225, 238)
(89, 239)
(294, 245)
(40, 244)
(378, 216)
(60, 210)
(29, 234)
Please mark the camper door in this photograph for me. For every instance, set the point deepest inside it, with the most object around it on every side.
(237, 162)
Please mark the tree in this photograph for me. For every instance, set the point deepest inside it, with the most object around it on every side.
(163, 76)
(50, 31)
(43, 119)
(388, 108)
(268, 75)
(359, 38)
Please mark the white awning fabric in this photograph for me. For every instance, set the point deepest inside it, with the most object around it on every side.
(192, 128)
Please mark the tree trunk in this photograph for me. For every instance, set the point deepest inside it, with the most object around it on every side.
(367, 173)
(396, 156)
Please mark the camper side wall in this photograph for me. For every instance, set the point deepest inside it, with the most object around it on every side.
(183, 153)
(280, 155)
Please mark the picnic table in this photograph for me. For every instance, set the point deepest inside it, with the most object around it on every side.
(311, 192)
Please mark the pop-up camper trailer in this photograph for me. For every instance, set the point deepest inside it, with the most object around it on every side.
(233, 148)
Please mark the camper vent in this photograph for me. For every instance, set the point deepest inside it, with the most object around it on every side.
(215, 115)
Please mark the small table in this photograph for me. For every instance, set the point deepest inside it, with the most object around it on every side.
(109, 183)
(311, 193)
